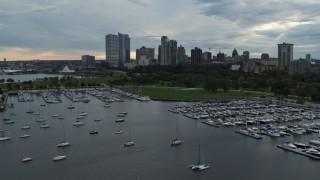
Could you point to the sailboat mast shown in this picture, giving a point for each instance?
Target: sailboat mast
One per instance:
(199, 154)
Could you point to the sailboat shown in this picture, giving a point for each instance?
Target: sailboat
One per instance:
(78, 123)
(177, 140)
(63, 143)
(200, 165)
(40, 119)
(119, 131)
(8, 120)
(129, 142)
(4, 137)
(59, 158)
(30, 110)
(71, 106)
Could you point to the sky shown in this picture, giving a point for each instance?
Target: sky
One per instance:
(67, 29)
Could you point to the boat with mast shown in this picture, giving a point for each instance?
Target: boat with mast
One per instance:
(29, 111)
(63, 143)
(4, 137)
(129, 142)
(40, 119)
(119, 131)
(177, 140)
(200, 165)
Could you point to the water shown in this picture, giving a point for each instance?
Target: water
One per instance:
(27, 77)
(103, 156)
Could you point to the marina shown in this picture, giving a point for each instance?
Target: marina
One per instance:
(154, 128)
(299, 151)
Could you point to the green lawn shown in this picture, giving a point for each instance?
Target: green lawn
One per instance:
(178, 93)
(97, 80)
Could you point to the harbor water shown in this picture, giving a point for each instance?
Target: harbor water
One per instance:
(152, 127)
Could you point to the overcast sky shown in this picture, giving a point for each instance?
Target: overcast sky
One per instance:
(67, 29)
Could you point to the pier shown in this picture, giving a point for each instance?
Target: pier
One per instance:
(210, 123)
(298, 151)
(255, 136)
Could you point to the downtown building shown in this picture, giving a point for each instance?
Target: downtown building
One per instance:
(196, 56)
(168, 51)
(144, 56)
(117, 49)
(88, 61)
(285, 55)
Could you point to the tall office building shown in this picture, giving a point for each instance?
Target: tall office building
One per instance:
(285, 54)
(196, 56)
(88, 61)
(235, 53)
(112, 50)
(124, 49)
(172, 52)
(181, 55)
(164, 50)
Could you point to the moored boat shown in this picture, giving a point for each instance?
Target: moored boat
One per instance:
(26, 159)
(59, 158)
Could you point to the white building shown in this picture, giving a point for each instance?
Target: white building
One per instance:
(112, 50)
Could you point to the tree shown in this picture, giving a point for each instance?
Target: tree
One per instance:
(10, 80)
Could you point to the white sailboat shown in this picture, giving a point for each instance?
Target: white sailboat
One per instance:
(129, 142)
(63, 143)
(200, 165)
(25, 136)
(40, 119)
(59, 158)
(29, 111)
(4, 137)
(26, 159)
(177, 140)
(119, 131)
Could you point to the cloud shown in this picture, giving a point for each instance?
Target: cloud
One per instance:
(141, 3)
(44, 9)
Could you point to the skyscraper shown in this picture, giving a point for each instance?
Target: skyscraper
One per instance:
(285, 54)
(124, 49)
(181, 55)
(172, 52)
(112, 50)
(164, 50)
(196, 56)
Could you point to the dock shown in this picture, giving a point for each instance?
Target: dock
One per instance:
(255, 136)
(211, 124)
(298, 151)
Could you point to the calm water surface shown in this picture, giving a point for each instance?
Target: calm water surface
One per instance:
(103, 156)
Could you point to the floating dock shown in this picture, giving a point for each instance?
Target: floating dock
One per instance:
(211, 124)
(299, 152)
(255, 136)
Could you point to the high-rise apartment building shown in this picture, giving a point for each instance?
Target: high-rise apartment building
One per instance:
(164, 50)
(112, 50)
(124, 49)
(196, 56)
(88, 61)
(285, 54)
(172, 52)
(181, 55)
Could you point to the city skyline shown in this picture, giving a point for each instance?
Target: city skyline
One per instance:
(68, 29)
